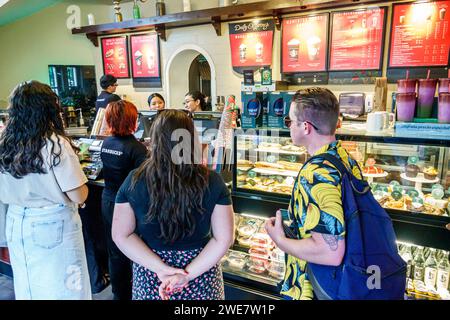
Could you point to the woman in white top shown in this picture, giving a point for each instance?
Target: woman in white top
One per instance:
(42, 182)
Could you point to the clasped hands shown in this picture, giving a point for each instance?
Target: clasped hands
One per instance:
(173, 280)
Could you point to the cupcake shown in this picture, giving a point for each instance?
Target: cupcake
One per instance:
(430, 173)
(411, 170)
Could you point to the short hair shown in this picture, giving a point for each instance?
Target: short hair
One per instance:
(107, 80)
(150, 97)
(319, 106)
(121, 117)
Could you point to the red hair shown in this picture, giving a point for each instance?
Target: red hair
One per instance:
(121, 117)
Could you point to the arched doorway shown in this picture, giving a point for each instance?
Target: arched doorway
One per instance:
(200, 77)
(177, 74)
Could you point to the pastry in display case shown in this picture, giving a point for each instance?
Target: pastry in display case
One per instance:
(268, 164)
(254, 255)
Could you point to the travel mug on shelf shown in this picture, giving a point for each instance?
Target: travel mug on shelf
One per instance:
(406, 106)
(444, 85)
(425, 97)
(444, 107)
(406, 85)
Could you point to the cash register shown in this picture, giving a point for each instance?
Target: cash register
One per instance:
(90, 159)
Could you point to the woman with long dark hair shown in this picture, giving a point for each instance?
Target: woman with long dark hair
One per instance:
(120, 154)
(173, 217)
(194, 101)
(42, 182)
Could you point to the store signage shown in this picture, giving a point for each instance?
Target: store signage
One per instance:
(115, 57)
(251, 43)
(304, 43)
(357, 39)
(145, 55)
(420, 35)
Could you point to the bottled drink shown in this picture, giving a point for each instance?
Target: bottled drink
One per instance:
(443, 273)
(406, 255)
(418, 265)
(136, 10)
(431, 270)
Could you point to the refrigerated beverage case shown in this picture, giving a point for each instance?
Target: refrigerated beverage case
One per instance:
(430, 273)
(443, 273)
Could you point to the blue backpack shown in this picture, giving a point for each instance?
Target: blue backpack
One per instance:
(371, 267)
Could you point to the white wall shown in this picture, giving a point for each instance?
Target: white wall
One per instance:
(31, 44)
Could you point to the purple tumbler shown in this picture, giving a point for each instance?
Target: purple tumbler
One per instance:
(444, 85)
(444, 107)
(406, 85)
(406, 105)
(425, 97)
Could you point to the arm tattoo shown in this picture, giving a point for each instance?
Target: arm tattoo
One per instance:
(331, 240)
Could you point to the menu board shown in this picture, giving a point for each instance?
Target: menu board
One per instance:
(115, 57)
(304, 43)
(145, 55)
(251, 43)
(357, 39)
(420, 34)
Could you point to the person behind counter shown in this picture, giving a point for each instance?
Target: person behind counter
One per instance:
(194, 101)
(109, 85)
(156, 102)
(42, 182)
(174, 218)
(120, 154)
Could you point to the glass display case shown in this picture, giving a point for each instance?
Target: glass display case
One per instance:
(254, 255)
(408, 175)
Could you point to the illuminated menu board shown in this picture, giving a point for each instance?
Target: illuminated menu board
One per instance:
(115, 57)
(251, 43)
(357, 39)
(145, 55)
(420, 34)
(304, 43)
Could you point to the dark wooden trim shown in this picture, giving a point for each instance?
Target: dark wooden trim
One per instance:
(217, 24)
(161, 31)
(272, 8)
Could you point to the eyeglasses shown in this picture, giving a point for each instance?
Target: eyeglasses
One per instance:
(288, 123)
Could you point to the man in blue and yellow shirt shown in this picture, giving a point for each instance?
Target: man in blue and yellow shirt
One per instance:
(316, 205)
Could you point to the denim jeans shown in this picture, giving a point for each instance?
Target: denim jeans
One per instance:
(120, 269)
(47, 253)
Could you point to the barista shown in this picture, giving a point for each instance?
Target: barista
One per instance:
(109, 86)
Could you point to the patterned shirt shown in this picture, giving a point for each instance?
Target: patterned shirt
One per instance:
(316, 206)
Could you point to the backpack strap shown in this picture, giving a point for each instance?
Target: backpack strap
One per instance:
(335, 162)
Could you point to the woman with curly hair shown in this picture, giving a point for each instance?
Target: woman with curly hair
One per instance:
(43, 184)
(173, 217)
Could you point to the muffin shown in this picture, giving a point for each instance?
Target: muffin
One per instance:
(411, 170)
(430, 173)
